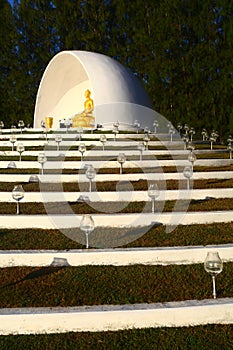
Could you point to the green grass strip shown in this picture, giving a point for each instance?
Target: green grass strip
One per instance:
(62, 208)
(209, 337)
(140, 185)
(99, 285)
(156, 236)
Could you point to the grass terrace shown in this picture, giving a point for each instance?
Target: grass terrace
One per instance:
(155, 236)
(209, 337)
(113, 285)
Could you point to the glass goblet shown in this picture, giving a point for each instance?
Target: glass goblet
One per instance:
(188, 172)
(42, 159)
(58, 139)
(153, 193)
(90, 174)
(121, 160)
(141, 148)
(213, 265)
(103, 140)
(82, 149)
(87, 225)
(20, 148)
(13, 140)
(18, 194)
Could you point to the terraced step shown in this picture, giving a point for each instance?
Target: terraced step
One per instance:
(103, 164)
(112, 318)
(116, 220)
(156, 176)
(116, 257)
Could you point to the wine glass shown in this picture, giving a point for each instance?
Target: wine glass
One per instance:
(192, 157)
(18, 194)
(153, 193)
(13, 139)
(87, 225)
(1, 126)
(146, 140)
(115, 131)
(155, 125)
(230, 150)
(21, 125)
(121, 160)
(141, 148)
(213, 265)
(188, 172)
(20, 148)
(137, 125)
(42, 159)
(82, 149)
(103, 140)
(171, 132)
(80, 132)
(58, 139)
(90, 174)
(67, 124)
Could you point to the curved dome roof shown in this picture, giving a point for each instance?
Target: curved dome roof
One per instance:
(117, 93)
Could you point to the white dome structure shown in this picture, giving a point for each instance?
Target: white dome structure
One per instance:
(117, 93)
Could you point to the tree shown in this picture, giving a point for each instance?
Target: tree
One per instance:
(36, 44)
(8, 61)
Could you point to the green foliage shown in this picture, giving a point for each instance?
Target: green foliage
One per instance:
(100, 285)
(156, 236)
(209, 337)
(180, 50)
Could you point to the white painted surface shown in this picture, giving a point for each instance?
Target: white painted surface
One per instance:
(115, 220)
(117, 256)
(54, 320)
(117, 177)
(100, 153)
(121, 196)
(112, 318)
(116, 92)
(103, 164)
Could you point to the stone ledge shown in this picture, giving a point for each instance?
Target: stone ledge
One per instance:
(117, 256)
(115, 317)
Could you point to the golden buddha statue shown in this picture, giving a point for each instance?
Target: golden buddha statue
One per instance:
(86, 118)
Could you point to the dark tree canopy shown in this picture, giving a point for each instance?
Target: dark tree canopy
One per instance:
(180, 49)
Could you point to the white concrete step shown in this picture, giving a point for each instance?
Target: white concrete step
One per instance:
(172, 219)
(102, 164)
(115, 317)
(156, 176)
(117, 256)
(120, 196)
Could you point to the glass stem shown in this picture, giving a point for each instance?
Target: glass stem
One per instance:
(153, 206)
(188, 184)
(18, 211)
(87, 243)
(90, 186)
(214, 287)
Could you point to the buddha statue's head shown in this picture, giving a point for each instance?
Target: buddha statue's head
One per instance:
(87, 93)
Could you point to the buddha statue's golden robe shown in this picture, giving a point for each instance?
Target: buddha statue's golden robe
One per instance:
(86, 118)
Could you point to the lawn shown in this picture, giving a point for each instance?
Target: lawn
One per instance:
(209, 337)
(100, 285)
